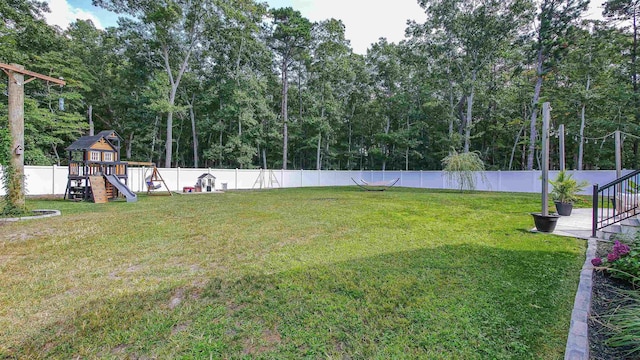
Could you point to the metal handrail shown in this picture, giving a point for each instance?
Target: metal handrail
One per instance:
(620, 193)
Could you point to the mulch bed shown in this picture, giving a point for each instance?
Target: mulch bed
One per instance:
(604, 300)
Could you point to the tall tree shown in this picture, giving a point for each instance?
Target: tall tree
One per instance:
(629, 10)
(476, 33)
(174, 30)
(290, 40)
(555, 22)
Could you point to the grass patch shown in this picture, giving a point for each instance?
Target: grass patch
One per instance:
(328, 272)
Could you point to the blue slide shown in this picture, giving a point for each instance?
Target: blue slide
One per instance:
(130, 195)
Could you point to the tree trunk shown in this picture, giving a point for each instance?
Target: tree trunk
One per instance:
(467, 130)
(55, 152)
(90, 114)
(318, 161)
(153, 140)
(582, 126)
(385, 146)
(534, 112)
(169, 141)
(172, 98)
(285, 115)
(129, 146)
(194, 133)
(264, 158)
(515, 145)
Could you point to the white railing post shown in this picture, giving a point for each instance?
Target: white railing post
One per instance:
(236, 178)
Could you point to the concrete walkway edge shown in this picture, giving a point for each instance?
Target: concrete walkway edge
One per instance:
(43, 214)
(578, 339)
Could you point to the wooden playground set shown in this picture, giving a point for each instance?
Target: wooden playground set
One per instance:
(97, 174)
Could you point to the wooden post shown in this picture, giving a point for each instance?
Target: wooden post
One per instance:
(546, 115)
(15, 91)
(16, 131)
(618, 189)
(618, 155)
(562, 154)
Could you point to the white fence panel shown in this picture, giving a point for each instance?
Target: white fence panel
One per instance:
(433, 180)
(48, 180)
(343, 178)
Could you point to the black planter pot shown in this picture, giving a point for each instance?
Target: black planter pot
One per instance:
(545, 223)
(564, 209)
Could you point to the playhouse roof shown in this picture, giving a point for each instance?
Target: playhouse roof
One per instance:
(206, 176)
(86, 142)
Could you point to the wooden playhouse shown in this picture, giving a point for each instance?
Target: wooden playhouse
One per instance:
(95, 170)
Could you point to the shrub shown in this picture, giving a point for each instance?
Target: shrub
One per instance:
(5, 142)
(462, 168)
(566, 188)
(623, 262)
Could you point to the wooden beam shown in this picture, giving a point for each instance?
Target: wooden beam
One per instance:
(16, 130)
(139, 163)
(31, 73)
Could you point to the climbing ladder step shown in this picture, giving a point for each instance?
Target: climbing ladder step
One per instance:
(98, 189)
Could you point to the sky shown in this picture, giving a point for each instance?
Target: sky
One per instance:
(365, 20)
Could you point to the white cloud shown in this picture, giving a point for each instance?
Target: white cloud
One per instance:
(368, 20)
(62, 14)
(365, 20)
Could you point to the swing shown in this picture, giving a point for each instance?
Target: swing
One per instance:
(376, 186)
(152, 184)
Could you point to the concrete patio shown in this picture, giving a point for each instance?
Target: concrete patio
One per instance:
(577, 225)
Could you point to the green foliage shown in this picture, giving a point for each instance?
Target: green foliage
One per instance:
(8, 203)
(463, 168)
(5, 148)
(463, 77)
(622, 262)
(624, 322)
(566, 188)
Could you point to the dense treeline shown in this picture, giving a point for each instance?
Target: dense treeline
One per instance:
(232, 83)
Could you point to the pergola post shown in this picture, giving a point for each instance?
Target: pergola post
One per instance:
(15, 89)
(16, 131)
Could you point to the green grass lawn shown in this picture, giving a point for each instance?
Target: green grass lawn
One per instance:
(315, 273)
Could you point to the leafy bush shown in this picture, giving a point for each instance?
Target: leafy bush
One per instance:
(623, 262)
(5, 141)
(462, 168)
(566, 188)
(623, 321)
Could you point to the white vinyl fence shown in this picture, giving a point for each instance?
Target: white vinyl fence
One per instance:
(52, 180)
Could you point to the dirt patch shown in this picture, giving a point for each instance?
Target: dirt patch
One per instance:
(269, 340)
(26, 234)
(176, 299)
(180, 328)
(134, 268)
(119, 350)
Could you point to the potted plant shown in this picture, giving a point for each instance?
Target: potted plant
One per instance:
(565, 192)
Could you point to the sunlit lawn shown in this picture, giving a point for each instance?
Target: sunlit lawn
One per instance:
(317, 273)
